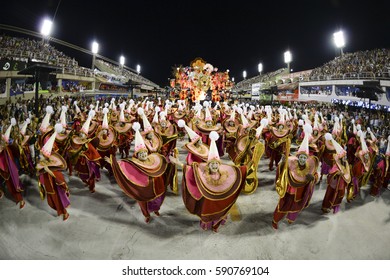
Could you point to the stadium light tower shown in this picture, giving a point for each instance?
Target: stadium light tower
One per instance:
(122, 60)
(244, 74)
(338, 38)
(122, 63)
(260, 68)
(138, 69)
(47, 24)
(287, 59)
(95, 49)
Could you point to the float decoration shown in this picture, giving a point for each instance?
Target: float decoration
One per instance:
(198, 78)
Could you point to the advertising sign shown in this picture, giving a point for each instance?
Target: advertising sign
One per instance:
(11, 65)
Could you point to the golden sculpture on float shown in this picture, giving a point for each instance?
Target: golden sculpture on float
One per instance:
(200, 77)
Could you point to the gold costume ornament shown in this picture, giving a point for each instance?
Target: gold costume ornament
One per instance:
(198, 78)
(281, 182)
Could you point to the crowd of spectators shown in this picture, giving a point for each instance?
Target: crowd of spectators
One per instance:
(109, 77)
(363, 64)
(70, 86)
(121, 73)
(316, 91)
(25, 49)
(373, 118)
(28, 49)
(21, 87)
(2, 86)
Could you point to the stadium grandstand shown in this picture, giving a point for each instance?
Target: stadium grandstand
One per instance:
(360, 79)
(107, 76)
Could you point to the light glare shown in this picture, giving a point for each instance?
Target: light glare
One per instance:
(338, 38)
(95, 47)
(46, 27)
(260, 67)
(287, 57)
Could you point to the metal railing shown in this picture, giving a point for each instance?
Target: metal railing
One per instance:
(351, 76)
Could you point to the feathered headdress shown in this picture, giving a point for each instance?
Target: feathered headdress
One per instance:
(46, 120)
(304, 147)
(192, 134)
(7, 133)
(156, 111)
(263, 123)
(64, 109)
(213, 153)
(139, 143)
(85, 127)
(146, 123)
(24, 126)
(122, 113)
(48, 147)
(105, 118)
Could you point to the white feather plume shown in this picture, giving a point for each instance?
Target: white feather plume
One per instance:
(136, 126)
(58, 127)
(328, 136)
(140, 111)
(214, 135)
(264, 122)
(307, 128)
(91, 114)
(49, 110)
(181, 123)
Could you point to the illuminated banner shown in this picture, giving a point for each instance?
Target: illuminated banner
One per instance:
(11, 65)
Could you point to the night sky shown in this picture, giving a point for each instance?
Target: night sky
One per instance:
(234, 35)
